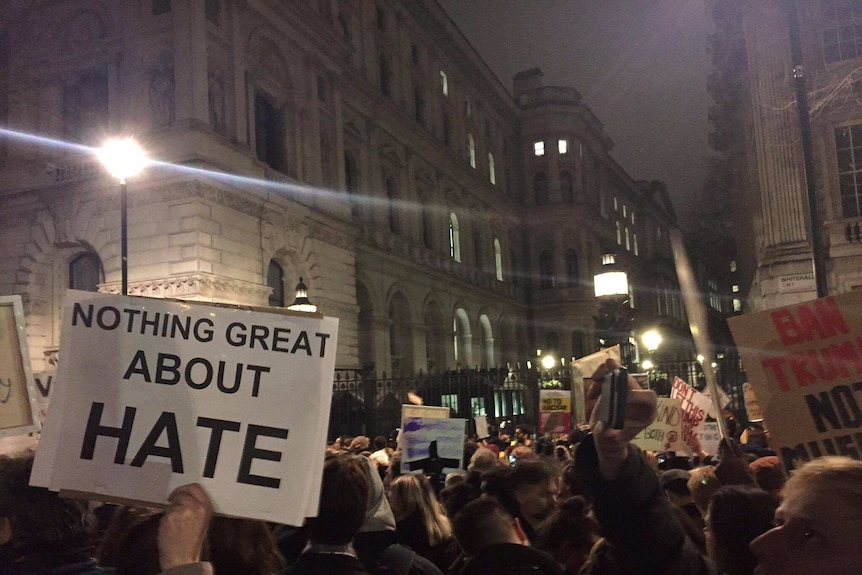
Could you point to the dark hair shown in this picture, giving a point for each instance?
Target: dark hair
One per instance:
(38, 516)
(379, 442)
(481, 523)
(544, 446)
(243, 546)
(569, 523)
(454, 498)
(343, 498)
(677, 487)
(737, 515)
(130, 543)
(529, 473)
(572, 479)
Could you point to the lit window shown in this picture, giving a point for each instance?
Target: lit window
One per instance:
(635, 243)
(619, 233)
(539, 148)
(444, 82)
(471, 150)
(632, 214)
(616, 204)
(492, 173)
(625, 212)
(563, 147)
(628, 240)
(454, 238)
(498, 259)
(733, 265)
(735, 288)
(737, 305)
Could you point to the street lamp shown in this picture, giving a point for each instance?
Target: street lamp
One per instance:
(652, 339)
(301, 301)
(123, 158)
(613, 324)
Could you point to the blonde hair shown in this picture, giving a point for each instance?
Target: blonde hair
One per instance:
(841, 477)
(412, 492)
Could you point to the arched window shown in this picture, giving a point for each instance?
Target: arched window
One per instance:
(385, 72)
(546, 270)
(270, 133)
(492, 170)
(454, 238)
(85, 272)
(540, 187)
(471, 150)
(567, 188)
(572, 275)
(275, 280)
(419, 105)
(392, 198)
(498, 259)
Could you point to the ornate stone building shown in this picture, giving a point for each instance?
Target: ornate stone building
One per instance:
(757, 130)
(444, 221)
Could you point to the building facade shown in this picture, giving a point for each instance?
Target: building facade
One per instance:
(758, 133)
(362, 146)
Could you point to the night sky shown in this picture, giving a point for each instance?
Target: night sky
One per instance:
(640, 65)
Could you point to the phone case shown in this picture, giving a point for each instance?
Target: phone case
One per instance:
(612, 407)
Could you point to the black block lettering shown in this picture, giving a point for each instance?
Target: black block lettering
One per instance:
(250, 453)
(95, 429)
(218, 426)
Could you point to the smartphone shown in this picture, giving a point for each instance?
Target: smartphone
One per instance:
(612, 407)
(512, 460)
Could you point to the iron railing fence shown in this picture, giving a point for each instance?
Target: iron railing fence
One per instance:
(364, 403)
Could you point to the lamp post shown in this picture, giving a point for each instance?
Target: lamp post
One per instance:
(301, 301)
(613, 324)
(123, 158)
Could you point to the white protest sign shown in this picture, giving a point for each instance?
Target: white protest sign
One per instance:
(752, 408)
(432, 446)
(665, 433)
(154, 394)
(709, 436)
(695, 405)
(481, 426)
(19, 413)
(723, 401)
(427, 411)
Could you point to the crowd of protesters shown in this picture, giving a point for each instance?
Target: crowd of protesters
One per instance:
(589, 503)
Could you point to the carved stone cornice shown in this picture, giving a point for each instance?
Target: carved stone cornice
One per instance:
(198, 286)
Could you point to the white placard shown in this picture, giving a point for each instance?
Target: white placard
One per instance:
(153, 394)
(19, 413)
(482, 426)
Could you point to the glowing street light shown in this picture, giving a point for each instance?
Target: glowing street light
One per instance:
(652, 339)
(123, 158)
(301, 301)
(548, 362)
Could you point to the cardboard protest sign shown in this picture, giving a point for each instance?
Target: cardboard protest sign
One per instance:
(432, 446)
(804, 362)
(752, 408)
(695, 406)
(723, 401)
(709, 436)
(409, 411)
(19, 412)
(582, 369)
(153, 394)
(665, 433)
(481, 426)
(555, 406)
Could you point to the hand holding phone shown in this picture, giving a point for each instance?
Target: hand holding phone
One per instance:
(612, 407)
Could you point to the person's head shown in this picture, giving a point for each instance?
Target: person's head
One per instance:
(562, 453)
(571, 482)
(569, 533)
(34, 517)
(130, 543)
(413, 493)
(819, 521)
(769, 474)
(483, 460)
(674, 483)
(243, 546)
(485, 522)
(533, 486)
(736, 515)
(522, 433)
(379, 443)
(359, 444)
(343, 500)
(544, 446)
(756, 434)
(702, 483)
